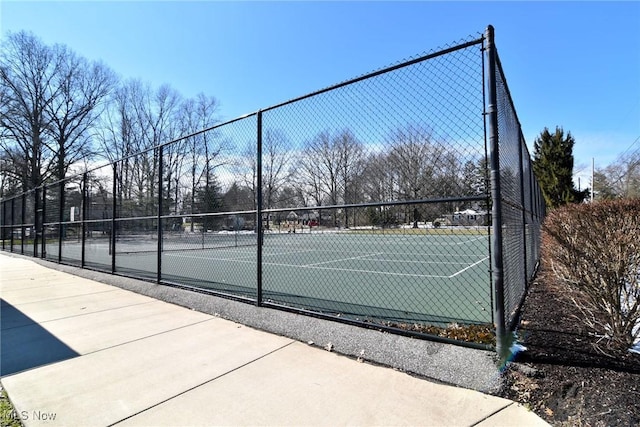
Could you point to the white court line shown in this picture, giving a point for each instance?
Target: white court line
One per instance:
(208, 258)
(311, 266)
(471, 240)
(240, 258)
(468, 267)
(463, 242)
(377, 259)
(409, 241)
(264, 254)
(336, 251)
(386, 273)
(402, 261)
(342, 259)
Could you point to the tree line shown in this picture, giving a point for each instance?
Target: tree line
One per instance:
(621, 178)
(60, 111)
(210, 172)
(553, 165)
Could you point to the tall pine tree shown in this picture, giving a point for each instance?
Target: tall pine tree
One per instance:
(553, 166)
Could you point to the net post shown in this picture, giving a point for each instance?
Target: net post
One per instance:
(259, 230)
(496, 209)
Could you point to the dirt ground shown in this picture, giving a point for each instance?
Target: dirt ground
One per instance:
(564, 376)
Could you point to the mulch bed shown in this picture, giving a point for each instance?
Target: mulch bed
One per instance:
(567, 375)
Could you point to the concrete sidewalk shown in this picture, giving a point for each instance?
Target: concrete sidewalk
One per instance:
(76, 352)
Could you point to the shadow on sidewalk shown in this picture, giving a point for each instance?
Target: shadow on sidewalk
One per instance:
(24, 344)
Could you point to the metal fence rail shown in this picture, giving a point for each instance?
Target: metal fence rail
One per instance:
(403, 199)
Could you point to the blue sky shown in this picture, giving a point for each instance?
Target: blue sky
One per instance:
(573, 64)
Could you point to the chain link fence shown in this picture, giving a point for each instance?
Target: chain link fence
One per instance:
(403, 199)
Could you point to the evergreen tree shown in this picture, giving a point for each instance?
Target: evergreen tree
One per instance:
(208, 199)
(553, 166)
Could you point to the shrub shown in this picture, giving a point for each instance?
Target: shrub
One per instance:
(595, 250)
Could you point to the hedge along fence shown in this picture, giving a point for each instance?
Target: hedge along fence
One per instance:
(595, 250)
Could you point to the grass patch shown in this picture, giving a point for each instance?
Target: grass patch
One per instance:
(8, 416)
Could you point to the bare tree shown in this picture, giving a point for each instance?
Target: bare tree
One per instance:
(185, 161)
(50, 101)
(155, 112)
(351, 164)
(27, 72)
(320, 167)
(82, 88)
(416, 159)
(118, 133)
(276, 165)
(330, 167)
(379, 180)
(620, 179)
(10, 162)
(193, 159)
(246, 168)
(138, 121)
(474, 179)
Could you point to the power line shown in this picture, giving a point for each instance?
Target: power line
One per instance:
(629, 148)
(632, 165)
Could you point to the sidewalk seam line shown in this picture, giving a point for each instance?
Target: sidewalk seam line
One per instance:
(77, 315)
(68, 296)
(204, 383)
(492, 414)
(2, 286)
(110, 347)
(60, 277)
(50, 299)
(148, 336)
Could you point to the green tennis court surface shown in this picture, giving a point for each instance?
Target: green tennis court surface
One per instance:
(425, 278)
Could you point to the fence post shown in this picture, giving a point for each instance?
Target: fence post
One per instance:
(6, 235)
(112, 236)
(159, 250)
(3, 224)
(496, 210)
(83, 225)
(522, 204)
(23, 210)
(259, 230)
(43, 249)
(13, 223)
(3, 221)
(36, 222)
(60, 220)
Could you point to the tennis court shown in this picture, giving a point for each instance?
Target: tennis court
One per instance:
(426, 278)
